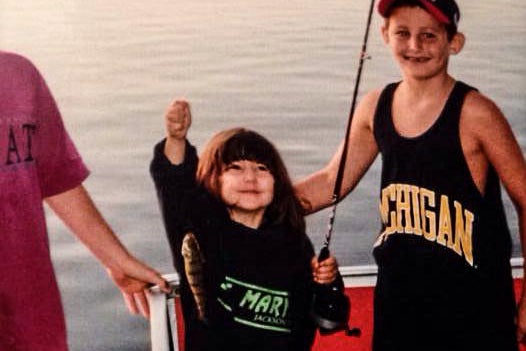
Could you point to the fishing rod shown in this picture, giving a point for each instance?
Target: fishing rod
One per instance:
(331, 307)
(324, 253)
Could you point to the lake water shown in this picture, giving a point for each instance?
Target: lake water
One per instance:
(284, 68)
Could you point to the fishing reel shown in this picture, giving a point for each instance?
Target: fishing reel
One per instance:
(330, 307)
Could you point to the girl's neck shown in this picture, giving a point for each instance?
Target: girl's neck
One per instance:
(248, 219)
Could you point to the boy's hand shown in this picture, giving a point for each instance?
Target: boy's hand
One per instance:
(178, 119)
(326, 271)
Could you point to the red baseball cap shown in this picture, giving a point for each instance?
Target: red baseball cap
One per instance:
(445, 11)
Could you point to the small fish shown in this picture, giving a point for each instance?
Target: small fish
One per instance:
(193, 266)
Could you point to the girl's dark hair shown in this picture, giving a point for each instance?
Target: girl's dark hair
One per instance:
(451, 28)
(242, 144)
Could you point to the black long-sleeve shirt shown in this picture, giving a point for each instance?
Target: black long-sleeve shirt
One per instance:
(258, 282)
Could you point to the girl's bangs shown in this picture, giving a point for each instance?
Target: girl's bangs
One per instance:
(248, 146)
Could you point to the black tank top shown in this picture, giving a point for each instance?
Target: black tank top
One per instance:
(444, 247)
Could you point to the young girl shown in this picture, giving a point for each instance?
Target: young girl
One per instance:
(237, 235)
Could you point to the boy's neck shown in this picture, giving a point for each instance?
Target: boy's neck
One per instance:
(418, 104)
(434, 87)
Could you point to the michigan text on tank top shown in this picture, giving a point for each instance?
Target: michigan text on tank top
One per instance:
(427, 193)
(410, 209)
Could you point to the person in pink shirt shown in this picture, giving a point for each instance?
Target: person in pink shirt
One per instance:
(39, 163)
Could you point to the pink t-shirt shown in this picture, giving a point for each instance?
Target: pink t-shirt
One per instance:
(37, 160)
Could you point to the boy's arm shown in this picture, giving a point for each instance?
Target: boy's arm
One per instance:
(483, 119)
(500, 147)
(76, 209)
(316, 190)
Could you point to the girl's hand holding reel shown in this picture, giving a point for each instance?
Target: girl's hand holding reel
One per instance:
(330, 308)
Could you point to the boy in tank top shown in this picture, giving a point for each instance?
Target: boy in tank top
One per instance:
(443, 252)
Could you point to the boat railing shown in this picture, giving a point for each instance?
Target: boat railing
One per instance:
(163, 318)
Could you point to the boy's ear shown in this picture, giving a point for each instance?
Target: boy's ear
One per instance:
(457, 43)
(385, 32)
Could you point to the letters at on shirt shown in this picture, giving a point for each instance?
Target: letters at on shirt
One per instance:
(19, 143)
